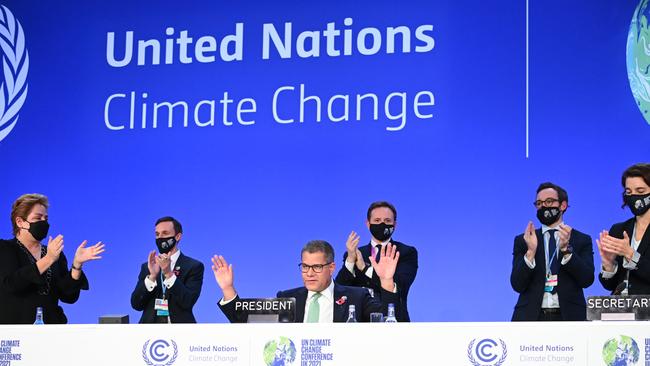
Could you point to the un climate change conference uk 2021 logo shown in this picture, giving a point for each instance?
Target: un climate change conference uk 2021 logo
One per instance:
(159, 352)
(279, 352)
(638, 58)
(15, 63)
(621, 351)
(487, 352)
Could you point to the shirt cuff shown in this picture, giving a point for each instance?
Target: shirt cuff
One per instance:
(607, 275)
(530, 264)
(223, 302)
(149, 284)
(369, 272)
(632, 264)
(350, 267)
(169, 282)
(566, 259)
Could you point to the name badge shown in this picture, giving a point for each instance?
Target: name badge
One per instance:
(551, 281)
(162, 307)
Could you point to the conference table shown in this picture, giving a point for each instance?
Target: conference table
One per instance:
(495, 344)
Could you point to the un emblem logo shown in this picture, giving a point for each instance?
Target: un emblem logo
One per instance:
(15, 63)
(487, 352)
(159, 352)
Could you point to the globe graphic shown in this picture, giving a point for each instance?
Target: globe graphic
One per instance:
(638, 58)
(279, 352)
(621, 351)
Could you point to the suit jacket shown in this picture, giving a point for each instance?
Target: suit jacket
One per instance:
(182, 295)
(20, 282)
(639, 282)
(407, 268)
(573, 277)
(359, 297)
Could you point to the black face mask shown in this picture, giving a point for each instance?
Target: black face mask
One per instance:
(38, 229)
(382, 232)
(165, 245)
(638, 203)
(548, 215)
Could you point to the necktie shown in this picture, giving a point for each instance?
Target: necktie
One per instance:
(314, 309)
(376, 252)
(552, 252)
(554, 264)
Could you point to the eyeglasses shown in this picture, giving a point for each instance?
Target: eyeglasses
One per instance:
(546, 203)
(318, 268)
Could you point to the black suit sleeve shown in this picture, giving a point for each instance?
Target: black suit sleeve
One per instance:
(611, 283)
(13, 277)
(346, 278)
(140, 297)
(229, 311)
(185, 295)
(521, 274)
(68, 288)
(581, 264)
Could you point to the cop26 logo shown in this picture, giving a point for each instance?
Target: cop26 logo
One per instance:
(15, 63)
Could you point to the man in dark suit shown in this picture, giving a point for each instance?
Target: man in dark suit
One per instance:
(170, 283)
(381, 220)
(552, 265)
(624, 248)
(320, 300)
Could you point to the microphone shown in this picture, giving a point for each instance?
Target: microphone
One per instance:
(621, 286)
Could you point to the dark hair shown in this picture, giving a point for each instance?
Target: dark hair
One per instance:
(379, 204)
(24, 205)
(178, 228)
(561, 193)
(640, 170)
(316, 246)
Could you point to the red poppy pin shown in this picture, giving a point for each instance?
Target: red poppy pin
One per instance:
(177, 271)
(342, 300)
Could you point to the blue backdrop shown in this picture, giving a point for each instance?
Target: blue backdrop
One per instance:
(462, 173)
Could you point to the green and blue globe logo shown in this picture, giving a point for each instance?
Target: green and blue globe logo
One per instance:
(279, 352)
(621, 351)
(638, 58)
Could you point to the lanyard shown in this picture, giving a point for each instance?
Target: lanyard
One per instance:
(546, 248)
(162, 285)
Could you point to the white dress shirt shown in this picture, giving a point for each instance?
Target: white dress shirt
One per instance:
(325, 303)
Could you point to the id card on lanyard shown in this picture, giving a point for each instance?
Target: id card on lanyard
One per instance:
(162, 305)
(551, 279)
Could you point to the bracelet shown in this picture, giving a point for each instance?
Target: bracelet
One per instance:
(78, 269)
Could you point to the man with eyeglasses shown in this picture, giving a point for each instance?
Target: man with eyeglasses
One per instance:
(381, 220)
(320, 300)
(551, 265)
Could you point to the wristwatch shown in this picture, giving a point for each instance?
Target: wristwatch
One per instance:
(567, 251)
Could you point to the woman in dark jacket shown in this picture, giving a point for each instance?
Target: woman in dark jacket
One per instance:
(33, 275)
(624, 248)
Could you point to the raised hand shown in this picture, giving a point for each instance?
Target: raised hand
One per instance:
(385, 268)
(360, 263)
(565, 235)
(154, 268)
(606, 258)
(164, 261)
(530, 237)
(85, 254)
(352, 244)
(54, 248)
(223, 274)
(617, 246)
